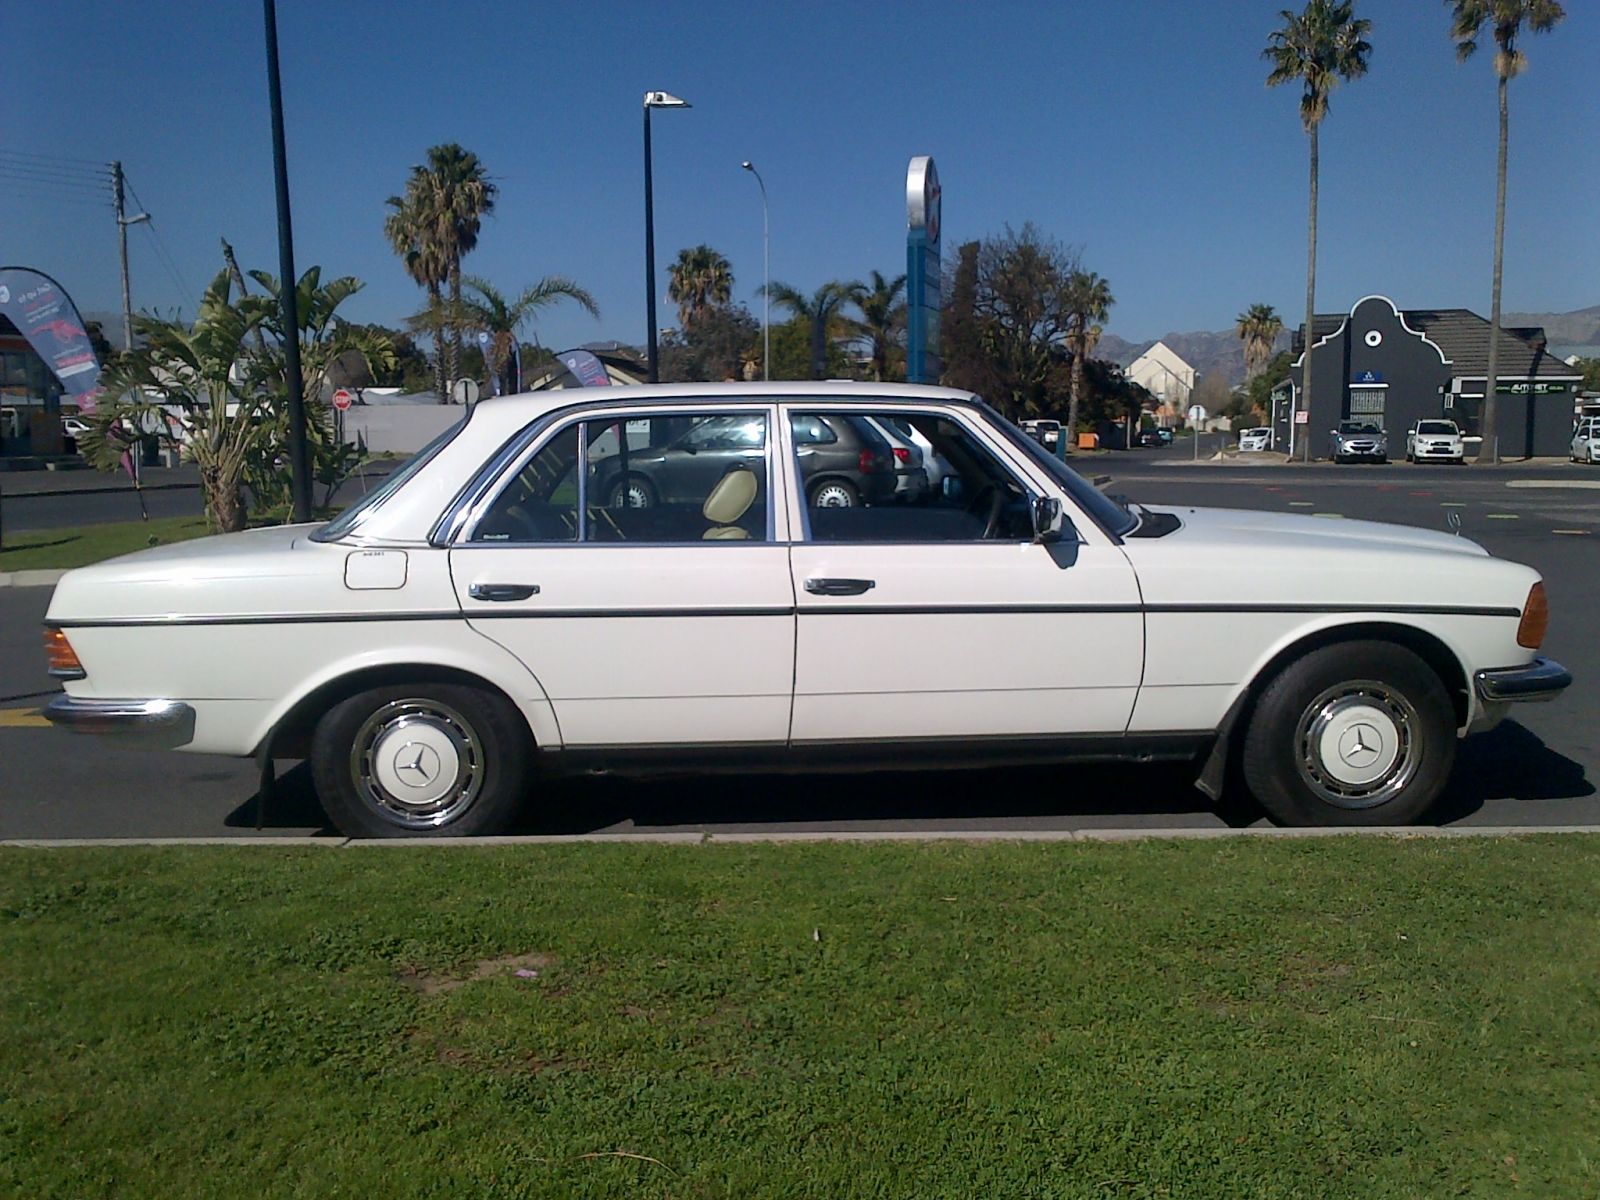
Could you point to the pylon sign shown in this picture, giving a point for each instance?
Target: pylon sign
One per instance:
(923, 272)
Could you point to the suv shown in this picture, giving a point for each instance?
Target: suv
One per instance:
(1358, 440)
(1586, 441)
(1430, 441)
(1259, 438)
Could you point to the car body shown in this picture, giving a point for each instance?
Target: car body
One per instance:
(1259, 438)
(934, 465)
(1165, 434)
(1047, 433)
(912, 478)
(1151, 437)
(1435, 440)
(1358, 441)
(489, 617)
(1586, 440)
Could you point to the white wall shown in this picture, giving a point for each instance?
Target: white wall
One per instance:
(399, 428)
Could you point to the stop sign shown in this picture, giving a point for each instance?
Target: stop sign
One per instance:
(343, 399)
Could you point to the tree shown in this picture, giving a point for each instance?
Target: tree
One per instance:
(1591, 373)
(820, 310)
(699, 280)
(882, 304)
(489, 311)
(433, 227)
(1324, 44)
(1089, 302)
(1505, 19)
(1258, 328)
(715, 345)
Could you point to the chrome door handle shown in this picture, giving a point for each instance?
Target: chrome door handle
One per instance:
(839, 587)
(503, 591)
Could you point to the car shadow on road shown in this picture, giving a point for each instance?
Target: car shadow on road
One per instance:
(1508, 763)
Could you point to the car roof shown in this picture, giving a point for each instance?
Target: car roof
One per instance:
(532, 404)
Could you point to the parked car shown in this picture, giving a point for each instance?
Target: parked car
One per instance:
(1435, 441)
(1259, 438)
(1152, 437)
(911, 477)
(1165, 434)
(486, 619)
(1046, 433)
(1586, 441)
(1358, 441)
(933, 463)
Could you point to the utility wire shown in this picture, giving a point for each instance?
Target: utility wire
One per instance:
(73, 176)
(19, 175)
(76, 163)
(161, 246)
(30, 191)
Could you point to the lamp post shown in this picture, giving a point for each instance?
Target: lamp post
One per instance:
(766, 273)
(652, 100)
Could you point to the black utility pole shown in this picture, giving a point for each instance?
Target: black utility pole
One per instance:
(650, 253)
(299, 463)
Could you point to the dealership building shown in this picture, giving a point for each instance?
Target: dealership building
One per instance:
(1395, 367)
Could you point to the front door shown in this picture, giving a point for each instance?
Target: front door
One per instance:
(648, 593)
(943, 619)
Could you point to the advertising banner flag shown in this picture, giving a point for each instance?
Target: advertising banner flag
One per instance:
(44, 314)
(586, 368)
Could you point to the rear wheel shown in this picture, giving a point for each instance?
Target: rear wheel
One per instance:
(633, 492)
(1358, 733)
(834, 493)
(427, 759)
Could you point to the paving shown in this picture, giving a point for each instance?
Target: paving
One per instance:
(1537, 771)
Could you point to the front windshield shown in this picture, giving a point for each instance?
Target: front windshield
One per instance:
(1358, 427)
(1436, 427)
(1110, 515)
(352, 516)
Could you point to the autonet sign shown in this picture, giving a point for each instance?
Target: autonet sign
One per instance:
(923, 211)
(44, 314)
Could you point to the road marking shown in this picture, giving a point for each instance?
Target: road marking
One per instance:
(1501, 517)
(1302, 504)
(1572, 532)
(1330, 516)
(1452, 504)
(1422, 493)
(22, 718)
(1554, 483)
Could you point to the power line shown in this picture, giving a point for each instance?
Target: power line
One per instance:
(58, 158)
(29, 191)
(21, 175)
(160, 244)
(73, 175)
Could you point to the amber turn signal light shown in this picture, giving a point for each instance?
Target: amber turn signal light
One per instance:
(1535, 619)
(63, 659)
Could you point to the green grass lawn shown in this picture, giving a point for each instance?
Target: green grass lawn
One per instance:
(1331, 1018)
(84, 544)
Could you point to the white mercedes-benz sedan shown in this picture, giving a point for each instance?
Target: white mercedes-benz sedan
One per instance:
(725, 576)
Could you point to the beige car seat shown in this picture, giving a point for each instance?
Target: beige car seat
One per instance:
(728, 502)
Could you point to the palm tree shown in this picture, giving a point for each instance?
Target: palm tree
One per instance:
(1089, 302)
(489, 311)
(1258, 328)
(425, 263)
(1507, 18)
(820, 309)
(883, 318)
(438, 222)
(701, 278)
(1318, 48)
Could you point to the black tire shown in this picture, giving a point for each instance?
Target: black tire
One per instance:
(834, 493)
(632, 491)
(361, 761)
(1366, 692)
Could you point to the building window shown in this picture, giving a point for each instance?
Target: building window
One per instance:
(1366, 402)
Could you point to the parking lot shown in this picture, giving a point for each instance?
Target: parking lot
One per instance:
(1535, 770)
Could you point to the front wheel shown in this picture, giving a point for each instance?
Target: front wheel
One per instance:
(1358, 733)
(427, 759)
(834, 493)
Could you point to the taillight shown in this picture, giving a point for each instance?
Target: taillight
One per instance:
(1535, 619)
(902, 455)
(867, 462)
(61, 657)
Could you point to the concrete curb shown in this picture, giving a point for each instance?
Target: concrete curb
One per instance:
(1406, 832)
(41, 578)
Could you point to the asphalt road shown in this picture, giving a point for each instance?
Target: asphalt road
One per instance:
(1535, 770)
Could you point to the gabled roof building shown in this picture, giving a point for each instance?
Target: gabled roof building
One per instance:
(1395, 368)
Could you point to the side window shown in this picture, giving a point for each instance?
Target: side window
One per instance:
(679, 478)
(540, 504)
(904, 477)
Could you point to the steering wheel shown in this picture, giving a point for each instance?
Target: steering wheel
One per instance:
(995, 505)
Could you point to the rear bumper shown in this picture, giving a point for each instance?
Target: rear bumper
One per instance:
(1542, 679)
(162, 723)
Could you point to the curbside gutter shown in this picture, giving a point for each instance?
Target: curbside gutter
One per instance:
(1266, 833)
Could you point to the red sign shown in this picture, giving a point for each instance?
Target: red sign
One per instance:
(343, 399)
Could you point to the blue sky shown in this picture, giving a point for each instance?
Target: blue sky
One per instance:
(1140, 132)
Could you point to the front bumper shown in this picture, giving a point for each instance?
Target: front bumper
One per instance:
(1439, 452)
(1361, 451)
(162, 723)
(1542, 679)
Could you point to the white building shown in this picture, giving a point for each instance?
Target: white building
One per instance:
(1165, 376)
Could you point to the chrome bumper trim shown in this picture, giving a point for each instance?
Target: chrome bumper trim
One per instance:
(167, 723)
(1542, 679)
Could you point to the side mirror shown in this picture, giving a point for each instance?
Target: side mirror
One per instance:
(1048, 520)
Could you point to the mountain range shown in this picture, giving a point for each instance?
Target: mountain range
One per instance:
(1576, 332)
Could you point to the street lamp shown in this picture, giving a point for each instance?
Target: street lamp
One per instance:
(766, 271)
(652, 100)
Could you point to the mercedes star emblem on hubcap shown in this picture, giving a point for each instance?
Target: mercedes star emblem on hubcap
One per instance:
(416, 765)
(1360, 745)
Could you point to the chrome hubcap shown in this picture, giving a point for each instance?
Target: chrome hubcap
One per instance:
(1358, 744)
(417, 763)
(831, 495)
(632, 495)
